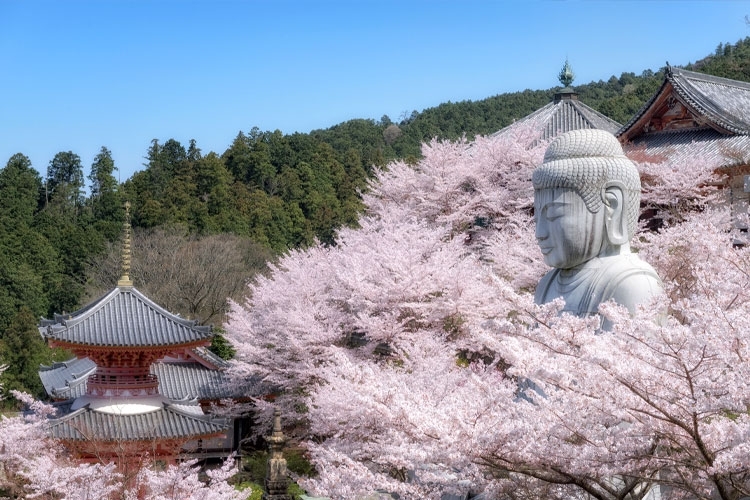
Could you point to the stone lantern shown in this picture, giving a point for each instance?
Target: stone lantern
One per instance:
(276, 482)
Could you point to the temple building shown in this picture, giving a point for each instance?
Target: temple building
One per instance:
(139, 383)
(694, 115)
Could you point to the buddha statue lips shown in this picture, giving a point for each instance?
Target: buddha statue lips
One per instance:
(586, 205)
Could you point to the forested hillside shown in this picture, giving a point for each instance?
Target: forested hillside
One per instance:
(272, 190)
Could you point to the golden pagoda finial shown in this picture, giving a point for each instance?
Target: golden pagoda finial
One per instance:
(125, 278)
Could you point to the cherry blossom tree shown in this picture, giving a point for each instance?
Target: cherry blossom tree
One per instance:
(663, 398)
(181, 482)
(399, 304)
(411, 358)
(32, 465)
(669, 190)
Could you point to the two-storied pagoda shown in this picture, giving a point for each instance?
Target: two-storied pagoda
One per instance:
(122, 416)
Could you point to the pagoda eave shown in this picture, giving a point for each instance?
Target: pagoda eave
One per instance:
(94, 351)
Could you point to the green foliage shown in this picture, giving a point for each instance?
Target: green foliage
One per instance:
(298, 463)
(221, 347)
(281, 191)
(729, 61)
(34, 260)
(254, 467)
(75, 241)
(23, 287)
(257, 489)
(65, 181)
(293, 489)
(23, 350)
(21, 188)
(105, 201)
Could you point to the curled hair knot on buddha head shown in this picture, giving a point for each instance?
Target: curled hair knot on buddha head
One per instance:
(588, 161)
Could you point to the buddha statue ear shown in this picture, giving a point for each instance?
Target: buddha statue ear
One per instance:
(615, 218)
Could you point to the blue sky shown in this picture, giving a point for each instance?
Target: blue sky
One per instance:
(78, 75)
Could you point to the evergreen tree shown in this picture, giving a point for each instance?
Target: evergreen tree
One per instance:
(21, 188)
(105, 200)
(23, 351)
(64, 185)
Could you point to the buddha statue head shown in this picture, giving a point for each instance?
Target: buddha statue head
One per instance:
(586, 199)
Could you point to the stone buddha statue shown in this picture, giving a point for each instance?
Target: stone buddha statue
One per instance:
(586, 203)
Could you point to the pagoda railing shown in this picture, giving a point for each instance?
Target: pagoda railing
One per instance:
(110, 385)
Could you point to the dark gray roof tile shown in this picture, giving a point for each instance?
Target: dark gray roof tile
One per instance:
(206, 357)
(124, 318)
(168, 422)
(67, 379)
(723, 103)
(192, 380)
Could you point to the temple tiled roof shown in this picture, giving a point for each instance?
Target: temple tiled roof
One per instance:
(683, 147)
(171, 421)
(714, 125)
(124, 318)
(719, 103)
(563, 115)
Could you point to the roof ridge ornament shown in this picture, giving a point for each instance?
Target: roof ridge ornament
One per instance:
(125, 280)
(566, 75)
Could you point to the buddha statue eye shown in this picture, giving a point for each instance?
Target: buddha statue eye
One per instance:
(553, 211)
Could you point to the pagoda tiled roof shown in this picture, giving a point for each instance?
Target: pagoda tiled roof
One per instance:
(562, 116)
(722, 103)
(178, 380)
(208, 358)
(169, 422)
(124, 318)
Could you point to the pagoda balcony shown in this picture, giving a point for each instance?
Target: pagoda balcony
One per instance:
(122, 386)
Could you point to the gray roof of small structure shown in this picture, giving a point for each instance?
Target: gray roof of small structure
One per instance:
(171, 421)
(724, 104)
(563, 115)
(67, 379)
(178, 380)
(124, 318)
